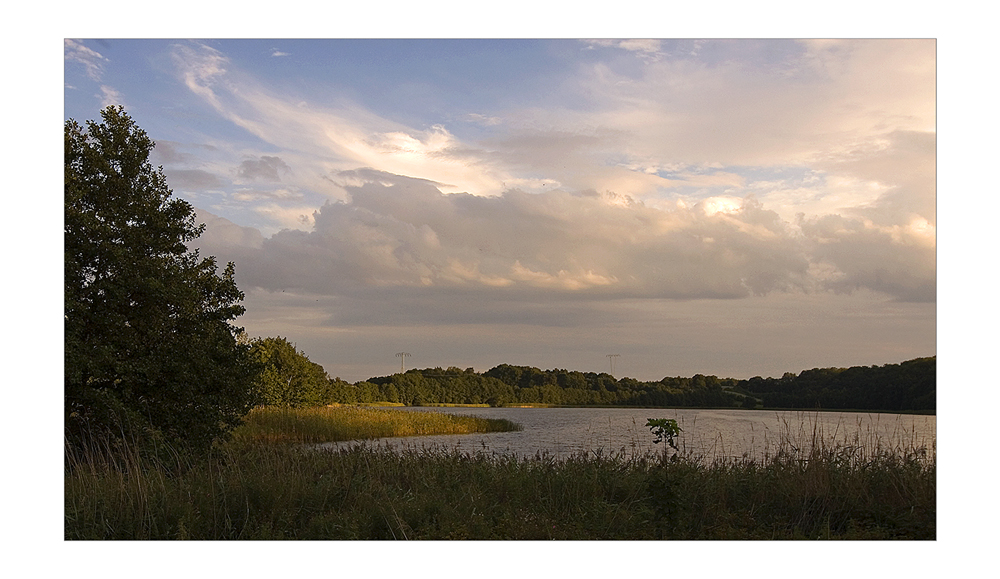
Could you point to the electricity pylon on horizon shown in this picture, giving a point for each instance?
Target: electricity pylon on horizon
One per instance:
(611, 358)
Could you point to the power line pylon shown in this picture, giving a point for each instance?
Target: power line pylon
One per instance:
(402, 360)
(611, 358)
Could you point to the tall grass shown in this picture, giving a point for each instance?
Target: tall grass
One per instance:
(352, 423)
(252, 490)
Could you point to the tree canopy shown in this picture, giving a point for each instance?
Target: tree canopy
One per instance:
(289, 378)
(148, 332)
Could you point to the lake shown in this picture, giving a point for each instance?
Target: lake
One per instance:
(712, 434)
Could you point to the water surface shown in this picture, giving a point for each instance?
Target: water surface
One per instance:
(711, 434)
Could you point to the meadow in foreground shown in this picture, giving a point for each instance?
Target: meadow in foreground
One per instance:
(247, 489)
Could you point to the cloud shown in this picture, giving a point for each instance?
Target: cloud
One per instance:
(904, 168)
(192, 179)
(649, 46)
(747, 110)
(647, 49)
(484, 120)
(92, 61)
(266, 168)
(200, 67)
(223, 234)
(890, 244)
(338, 137)
(645, 133)
(897, 260)
(168, 152)
(110, 96)
(400, 232)
(273, 195)
(678, 178)
(276, 53)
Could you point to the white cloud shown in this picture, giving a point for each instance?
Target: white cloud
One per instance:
(288, 217)
(404, 233)
(91, 60)
(648, 48)
(640, 45)
(337, 137)
(110, 96)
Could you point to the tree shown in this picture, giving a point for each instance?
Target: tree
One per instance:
(149, 341)
(289, 378)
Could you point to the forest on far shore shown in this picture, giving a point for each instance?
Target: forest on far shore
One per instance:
(906, 387)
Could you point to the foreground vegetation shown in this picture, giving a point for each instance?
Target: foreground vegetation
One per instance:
(246, 489)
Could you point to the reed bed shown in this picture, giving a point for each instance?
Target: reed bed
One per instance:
(807, 488)
(334, 424)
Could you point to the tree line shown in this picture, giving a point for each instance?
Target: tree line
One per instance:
(909, 386)
(291, 379)
(152, 351)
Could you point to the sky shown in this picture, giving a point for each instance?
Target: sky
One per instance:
(724, 207)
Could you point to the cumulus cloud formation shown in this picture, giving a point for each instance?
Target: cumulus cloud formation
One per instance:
(404, 235)
(222, 235)
(404, 232)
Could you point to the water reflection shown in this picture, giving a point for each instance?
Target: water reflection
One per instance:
(710, 434)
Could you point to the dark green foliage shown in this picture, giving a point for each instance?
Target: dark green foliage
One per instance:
(909, 386)
(289, 378)
(148, 341)
(665, 430)
(592, 389)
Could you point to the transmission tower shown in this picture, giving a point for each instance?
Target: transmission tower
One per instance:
(611, 358)
(402, 360)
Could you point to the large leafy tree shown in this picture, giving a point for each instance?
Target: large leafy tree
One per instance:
(148, 333)
(289, 377)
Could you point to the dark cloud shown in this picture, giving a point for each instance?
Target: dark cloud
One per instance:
(167, 152)
(877, 258)
(223, 235)
(192, 179)
(263, 169)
